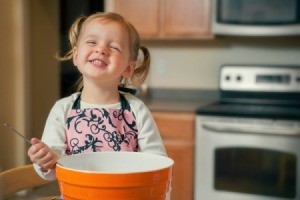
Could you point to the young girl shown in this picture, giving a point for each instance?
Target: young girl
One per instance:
(104, 48)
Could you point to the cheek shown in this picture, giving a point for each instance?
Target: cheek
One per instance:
(80, 57)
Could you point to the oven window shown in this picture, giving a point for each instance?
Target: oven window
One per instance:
(255, 171)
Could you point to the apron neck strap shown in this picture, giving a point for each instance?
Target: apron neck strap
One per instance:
(76, 104)
(124, 103)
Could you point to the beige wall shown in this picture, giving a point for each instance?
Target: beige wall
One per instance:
(29, 73)
(45, 69)
(13, 64)
(195, 64)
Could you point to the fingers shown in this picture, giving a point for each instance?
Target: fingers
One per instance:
(47, 161)
(41, 154)
(35, 141)
(36, 146)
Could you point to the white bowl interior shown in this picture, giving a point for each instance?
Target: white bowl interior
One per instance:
(115, 162)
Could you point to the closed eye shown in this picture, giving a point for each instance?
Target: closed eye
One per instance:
(115, 48)
(91, 42)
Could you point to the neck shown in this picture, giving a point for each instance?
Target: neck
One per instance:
(100, 95)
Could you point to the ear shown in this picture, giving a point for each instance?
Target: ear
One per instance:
(129, 70)
(75, 53)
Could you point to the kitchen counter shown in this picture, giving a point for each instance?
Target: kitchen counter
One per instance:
(173, 106)
(178, 100)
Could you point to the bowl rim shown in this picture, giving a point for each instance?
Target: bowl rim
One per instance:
(169, 165)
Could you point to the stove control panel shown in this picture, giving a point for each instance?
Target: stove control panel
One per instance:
(260, 78)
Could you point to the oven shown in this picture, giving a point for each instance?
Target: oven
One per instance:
(248, 143)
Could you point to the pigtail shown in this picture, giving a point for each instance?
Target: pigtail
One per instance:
(73, 38)
(141, 72)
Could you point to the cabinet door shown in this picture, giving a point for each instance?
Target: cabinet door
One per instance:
(177, 131)
(144, 15)
(186, 19)
(182, 152)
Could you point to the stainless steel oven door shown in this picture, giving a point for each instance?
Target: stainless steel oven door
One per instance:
(248, 159)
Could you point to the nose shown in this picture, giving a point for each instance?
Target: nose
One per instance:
(101, 50)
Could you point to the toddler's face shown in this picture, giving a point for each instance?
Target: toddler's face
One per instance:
(102, 53)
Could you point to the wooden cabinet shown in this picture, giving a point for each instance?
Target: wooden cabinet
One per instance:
(177, 131)
(166, 19)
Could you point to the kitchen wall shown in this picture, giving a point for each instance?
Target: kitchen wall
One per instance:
(195, 64)
(29, 76)
(45, 77)
(13, 80)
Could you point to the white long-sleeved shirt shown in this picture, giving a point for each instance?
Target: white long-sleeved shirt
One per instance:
(149, 139)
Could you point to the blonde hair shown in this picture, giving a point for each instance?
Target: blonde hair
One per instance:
(140, 72)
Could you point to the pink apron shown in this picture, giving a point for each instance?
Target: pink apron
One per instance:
(99, 129)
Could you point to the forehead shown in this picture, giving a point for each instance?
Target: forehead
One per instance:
(102, 26)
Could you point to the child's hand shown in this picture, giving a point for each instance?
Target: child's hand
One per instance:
(42, 155)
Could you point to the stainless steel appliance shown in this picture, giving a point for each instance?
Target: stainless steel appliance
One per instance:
(256, 17)
(248, 143)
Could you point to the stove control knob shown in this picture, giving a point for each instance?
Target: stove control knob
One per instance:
(227, 78)
(298, 79)
(239, 78)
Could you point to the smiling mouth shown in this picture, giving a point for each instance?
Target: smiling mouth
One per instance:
(98, 63)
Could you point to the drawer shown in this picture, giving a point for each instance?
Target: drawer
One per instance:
(175, 124)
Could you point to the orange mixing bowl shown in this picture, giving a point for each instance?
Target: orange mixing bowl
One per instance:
(114, 175)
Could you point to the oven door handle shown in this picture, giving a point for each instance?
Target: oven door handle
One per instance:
(257, 129)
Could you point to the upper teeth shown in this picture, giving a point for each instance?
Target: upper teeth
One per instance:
(96, 61)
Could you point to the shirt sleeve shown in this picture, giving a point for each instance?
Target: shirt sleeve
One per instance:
(54, 137)
(149, 138)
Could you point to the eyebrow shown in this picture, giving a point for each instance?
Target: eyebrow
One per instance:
(90, 35)
(95, 36)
